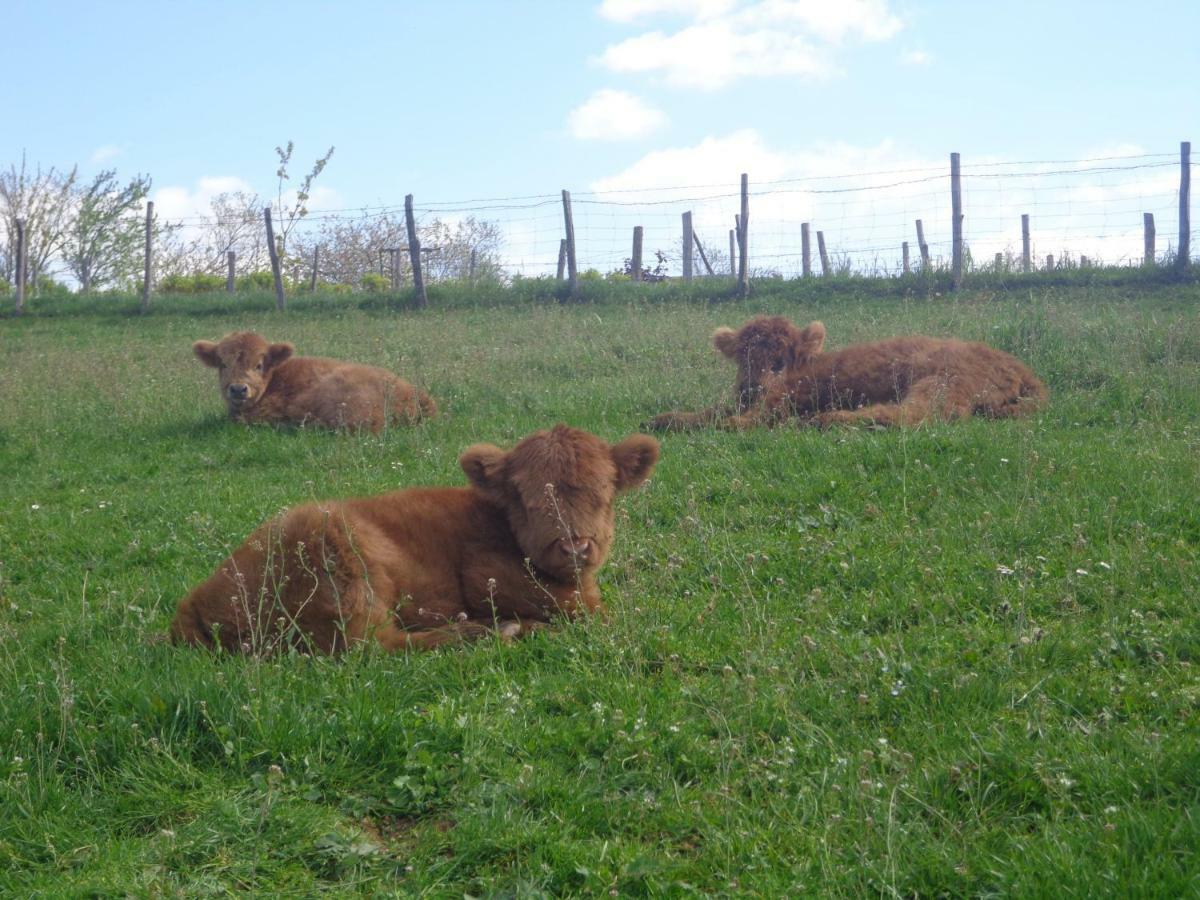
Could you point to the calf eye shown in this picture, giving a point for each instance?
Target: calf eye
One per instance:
(777, 366)
(258, 368)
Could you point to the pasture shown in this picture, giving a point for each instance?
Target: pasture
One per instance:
(958, 660)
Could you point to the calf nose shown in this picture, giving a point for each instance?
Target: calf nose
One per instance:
(577, 548)
(238, 391)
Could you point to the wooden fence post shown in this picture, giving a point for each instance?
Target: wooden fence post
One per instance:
(922, 246)
(687, 246)
(703, 255)
(572, 263)
(420, 298)
(147, 276)
(562, 259)
(956, 224)
(230, 271)
(471, 266)
(805, 251)
(636, 261)
(273, 250)
(19, 274)
(999, 261)
(1026, 257)
(1148, 239)
(1083, 262)
(826, 270)
(312, 282)
(393, 255)
(904, 257)
(733, 241)
(1049, 261)
(744, 258)
(1185, 213)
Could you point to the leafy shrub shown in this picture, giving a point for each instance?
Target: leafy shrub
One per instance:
(374, 283)
(5, 288)
(198, 283)
(256, 281)
(48, 287)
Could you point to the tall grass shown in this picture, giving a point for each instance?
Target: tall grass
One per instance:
(959, 660)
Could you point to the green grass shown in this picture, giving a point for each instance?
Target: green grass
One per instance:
(819, 677)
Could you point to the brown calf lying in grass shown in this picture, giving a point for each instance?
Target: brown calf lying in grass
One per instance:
(783, 373)
(263, 382)
(420, 567)
(761, 348)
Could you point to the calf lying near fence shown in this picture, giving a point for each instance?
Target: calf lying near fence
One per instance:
(425, 566)
(901, 381)
(263, 382)
(761, 348)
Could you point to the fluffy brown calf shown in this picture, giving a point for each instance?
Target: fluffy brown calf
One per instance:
(900, 381)
(263, 382)
(417, 568)
(762, 348)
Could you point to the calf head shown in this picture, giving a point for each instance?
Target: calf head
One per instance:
(557, 489)
(244, 362)
(764, 348)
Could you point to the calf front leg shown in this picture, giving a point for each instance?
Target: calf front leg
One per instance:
(393, 638)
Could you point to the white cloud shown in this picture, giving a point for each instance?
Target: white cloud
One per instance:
(174, 202)
(915, 58)
(610, 115)
(629, 10)
(867, 20)
(728, 41)
(714, 54)
(105, 152)
(713, 160)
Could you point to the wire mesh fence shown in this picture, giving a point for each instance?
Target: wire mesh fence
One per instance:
(1095, 211)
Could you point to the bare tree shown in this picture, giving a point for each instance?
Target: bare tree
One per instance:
(43, 200)
(451, 248)
(350, 248)
(106, 235)
(235, 224)
(288, 214)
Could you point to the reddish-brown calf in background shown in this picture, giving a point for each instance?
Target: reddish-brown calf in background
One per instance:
(761, 348)
(263, 382)
(417, 568)
(900, 381)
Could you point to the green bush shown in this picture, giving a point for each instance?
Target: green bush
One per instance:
(374, 283)
(256, 281)
(5, 288)
(45, 286)
(199, 283)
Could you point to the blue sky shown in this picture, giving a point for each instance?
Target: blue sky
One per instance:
(458, 99)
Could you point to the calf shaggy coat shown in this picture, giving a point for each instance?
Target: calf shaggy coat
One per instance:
(901, 381)
(263, 382)
(761, 348)
(420, 567)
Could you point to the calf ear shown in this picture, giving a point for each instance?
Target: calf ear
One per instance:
(635, 458)
(206, 352)
(277, 353)
(725, 340)
(484, 466)
(811, 340)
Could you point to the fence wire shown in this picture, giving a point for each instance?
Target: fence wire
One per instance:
(1085, 208)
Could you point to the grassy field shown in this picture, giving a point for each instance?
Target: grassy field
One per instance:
(962, 660)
